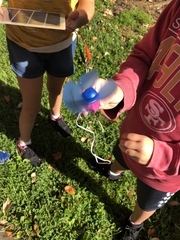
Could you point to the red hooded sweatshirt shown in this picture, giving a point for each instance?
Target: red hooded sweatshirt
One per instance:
(150, 80)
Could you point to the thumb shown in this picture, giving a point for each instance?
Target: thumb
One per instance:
(73, 15)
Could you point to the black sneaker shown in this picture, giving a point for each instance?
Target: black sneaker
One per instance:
(60, 126)
(130, 231)
(102, 169)
(27, 153)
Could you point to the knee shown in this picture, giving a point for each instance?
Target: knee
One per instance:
(31, 110)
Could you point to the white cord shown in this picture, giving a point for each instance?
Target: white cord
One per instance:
(104, 161)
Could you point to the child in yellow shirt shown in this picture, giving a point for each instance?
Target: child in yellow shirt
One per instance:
(34, 51)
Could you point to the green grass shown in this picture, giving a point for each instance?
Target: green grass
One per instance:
(43, 209)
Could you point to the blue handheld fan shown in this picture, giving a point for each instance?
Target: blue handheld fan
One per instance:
(81, 96)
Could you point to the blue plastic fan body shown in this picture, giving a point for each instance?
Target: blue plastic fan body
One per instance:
(81, 96)
(90, 95)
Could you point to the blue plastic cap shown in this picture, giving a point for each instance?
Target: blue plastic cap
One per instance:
(90, 95)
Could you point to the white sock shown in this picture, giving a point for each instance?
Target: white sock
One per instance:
(54, 116)
(22, 143)
(114, 174)
(134, 224)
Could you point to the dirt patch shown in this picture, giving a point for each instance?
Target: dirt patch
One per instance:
(153, 7)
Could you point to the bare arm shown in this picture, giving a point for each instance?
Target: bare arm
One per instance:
(81, 16)
(86, 11)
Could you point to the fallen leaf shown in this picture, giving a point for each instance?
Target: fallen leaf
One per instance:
(70, 190)
(117, 120)
(108, 12)
(106, 53)
(89, 140)
(50, 167)
(9, 233)
(36, 228)
(83, 139)
(57, 155)
(6, 98)
(3, 222)
(20, 105)
(6, 205)
(130, 193)
(151, 231)
(33, 177)
(173, 203)
(94, 38)
(109, 157)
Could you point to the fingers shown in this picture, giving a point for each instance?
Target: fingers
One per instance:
(71, 23)
(130, 147)
(113, 99)
(132, 136)
(137, 146)
(72, 15)
(131, 141)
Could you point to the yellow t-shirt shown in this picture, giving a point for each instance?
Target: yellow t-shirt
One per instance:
(29, 37)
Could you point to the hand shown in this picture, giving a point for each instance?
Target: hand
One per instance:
(109, 102)
(136, 146)
(71, 22)
(112, 100)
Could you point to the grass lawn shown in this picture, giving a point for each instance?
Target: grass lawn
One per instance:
(63, 199)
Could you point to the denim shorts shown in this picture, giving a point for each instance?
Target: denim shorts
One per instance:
(28, 64)
(148, 198)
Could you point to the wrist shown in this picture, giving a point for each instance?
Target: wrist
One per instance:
(83, 18)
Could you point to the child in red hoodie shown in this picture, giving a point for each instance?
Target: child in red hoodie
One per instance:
(149, 144)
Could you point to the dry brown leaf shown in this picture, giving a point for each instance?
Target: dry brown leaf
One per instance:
(108, 12)
(94, 38)
(109, 157)
(50, 167)
(83, 139)
(33, 177)
(36, 228)
(173, 203)
(6, 98)
(6, 205)
(117, 120)
(20, 105)
(106, 53)
(3, 222)
(155, 238)
(151, 231)
(70, 190)
(57, 155)
(9, 233)
(89, 140)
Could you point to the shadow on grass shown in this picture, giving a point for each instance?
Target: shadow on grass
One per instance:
(47, 142)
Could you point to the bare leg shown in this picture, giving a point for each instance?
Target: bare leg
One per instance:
(139, 215)
(116, 167)
(31, 90)
(54, 86)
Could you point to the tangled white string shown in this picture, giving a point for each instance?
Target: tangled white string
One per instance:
(104, 161)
